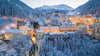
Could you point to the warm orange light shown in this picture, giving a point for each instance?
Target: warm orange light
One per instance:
(31, 16)
(3, 31)
(15, 18)
(26, 19)
(33, 40)
(6, 27)
(25, 32)
(31, 32)
(5, 17)
(49, 20)
(13, 25)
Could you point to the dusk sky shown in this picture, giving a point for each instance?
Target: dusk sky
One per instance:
(38, 3)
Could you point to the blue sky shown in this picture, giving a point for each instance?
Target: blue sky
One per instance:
(38, 3)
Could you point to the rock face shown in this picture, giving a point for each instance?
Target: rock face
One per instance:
(14, 8)
(91, 7)
(69, 44)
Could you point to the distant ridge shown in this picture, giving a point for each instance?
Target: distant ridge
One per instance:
(60, 8)
(56, 7)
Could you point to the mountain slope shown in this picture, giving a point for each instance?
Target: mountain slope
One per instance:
(91, 7)
(14, 8)
(56, 7)
(60, 8)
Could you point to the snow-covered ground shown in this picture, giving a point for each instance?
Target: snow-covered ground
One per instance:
(69, 44)
(18, 46)
(53, 44)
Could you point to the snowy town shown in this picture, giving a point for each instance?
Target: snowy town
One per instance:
(86, 28)
(49, 30)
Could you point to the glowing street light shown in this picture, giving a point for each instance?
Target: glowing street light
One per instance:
(5, 17)
(3, 31)
(33, 40)
(13, 25)
(15, 18)
(6, 27)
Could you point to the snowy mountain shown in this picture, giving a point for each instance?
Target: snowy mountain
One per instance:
(91, 7)
(56, 7)
(14, 8)
(60, 8)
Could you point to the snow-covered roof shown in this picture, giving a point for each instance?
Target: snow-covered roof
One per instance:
(23, 26)
(70, 32)
(56, 33)
(14, 31)
(82, 26)
(68, 24)
(97, 18)
(39, 31)
(60, 33)
(27, 24)
(30, 29)
(49, 27)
